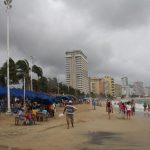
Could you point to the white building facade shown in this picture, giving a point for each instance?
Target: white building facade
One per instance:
(77, 70)
(138, 88)
(124, 81)
(147, 91)
(125, 87)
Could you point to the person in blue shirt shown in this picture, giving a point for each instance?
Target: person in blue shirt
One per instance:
(94, 104)
(69, 109)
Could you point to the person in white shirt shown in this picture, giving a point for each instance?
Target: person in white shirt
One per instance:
(128, 107)
(70, 109)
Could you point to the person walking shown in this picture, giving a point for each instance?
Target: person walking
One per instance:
(69, 109)
(109, 108)
(94, 104)
(148, 110)
(133, 107)
(129, 109)
(145, 108)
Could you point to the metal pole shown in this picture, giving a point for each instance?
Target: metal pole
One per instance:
(8, 87)
(58, 88)
(8, 6)
(58, 85)
(31, 71)
(24, 82)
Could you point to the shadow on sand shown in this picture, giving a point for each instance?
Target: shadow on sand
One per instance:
(107, 141)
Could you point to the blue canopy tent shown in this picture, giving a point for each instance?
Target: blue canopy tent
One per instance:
(3, 91)
(30, 95)
(41, 97)
(58, 99)
(65, 97)
(19, 93)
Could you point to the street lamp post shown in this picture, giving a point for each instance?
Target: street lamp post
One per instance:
(24, 89)
(31, 71)
(8, 6)
(58, 86)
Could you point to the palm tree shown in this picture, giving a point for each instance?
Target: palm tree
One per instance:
(2, 77)
(23, 70)
(37, 70)
(43, 83)
(12, 72)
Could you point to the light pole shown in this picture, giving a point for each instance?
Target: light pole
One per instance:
(58, 85)
(31, 71)
(8, 6)
(24, 89)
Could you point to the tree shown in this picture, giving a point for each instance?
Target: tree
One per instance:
(43, 84)
(35, 85)
(37, 70)
(12, 72)
(23, 70)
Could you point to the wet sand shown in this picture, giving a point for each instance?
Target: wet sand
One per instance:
(93, 131)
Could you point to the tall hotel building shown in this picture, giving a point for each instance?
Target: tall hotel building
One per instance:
(77, 71)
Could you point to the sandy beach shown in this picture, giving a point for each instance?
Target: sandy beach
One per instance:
(93, 131)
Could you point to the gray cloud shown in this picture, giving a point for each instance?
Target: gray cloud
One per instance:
(115, 14)
(114, 34)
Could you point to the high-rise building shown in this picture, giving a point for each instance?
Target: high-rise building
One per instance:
(97, 85)
(110, 85)
(138, 88)
(124, 81)
(77, 70)
(125, 87)
(118, 90)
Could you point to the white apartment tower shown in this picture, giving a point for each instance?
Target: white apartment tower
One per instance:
(77, 71)
(124, 81)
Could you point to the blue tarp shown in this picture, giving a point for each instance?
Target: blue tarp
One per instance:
(17, 93)
(33, 96)
(65, 97)
(3, 91)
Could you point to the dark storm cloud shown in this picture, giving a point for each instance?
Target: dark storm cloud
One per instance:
(108, 32)
(114, 14)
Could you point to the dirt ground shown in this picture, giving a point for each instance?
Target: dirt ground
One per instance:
(93, 131)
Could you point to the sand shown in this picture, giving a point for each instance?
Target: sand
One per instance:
(93, 131)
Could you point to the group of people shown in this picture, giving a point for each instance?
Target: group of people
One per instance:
(24, 117)
(27, 112)
(127, 109)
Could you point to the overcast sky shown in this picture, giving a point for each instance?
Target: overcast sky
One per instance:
(113, 34)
